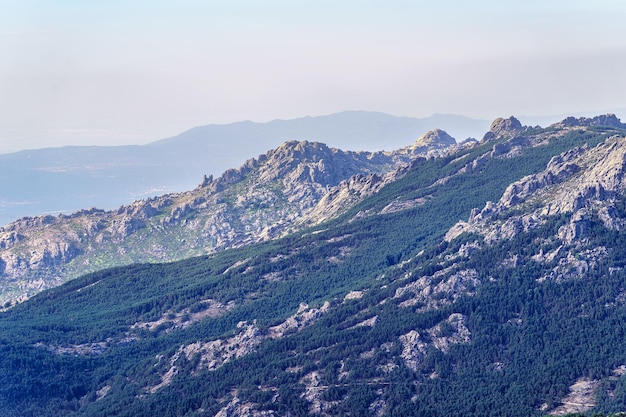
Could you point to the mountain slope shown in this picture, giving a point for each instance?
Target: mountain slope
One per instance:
(294, 186)
(384, 310)
(63, 180)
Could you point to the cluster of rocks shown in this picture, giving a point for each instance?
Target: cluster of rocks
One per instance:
(582, 182)
(214, 354)
(442, 288)
(585, 184)
(607, 120)
(415, 345)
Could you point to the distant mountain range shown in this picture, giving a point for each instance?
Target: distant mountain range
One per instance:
(63, 180)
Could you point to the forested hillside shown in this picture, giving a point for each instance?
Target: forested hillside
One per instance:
(485, 282)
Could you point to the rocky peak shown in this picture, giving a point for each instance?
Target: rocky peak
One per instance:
(293, 161)
(504, 127)
(302, 150)
(295, 151)
(609, 120)
(435, 138)
(300, 162)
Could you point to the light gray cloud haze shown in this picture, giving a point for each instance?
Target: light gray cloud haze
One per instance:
(133, 71)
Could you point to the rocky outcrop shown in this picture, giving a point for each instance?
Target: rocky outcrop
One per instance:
(238, 408)
(171, 320)
(414, 349)
(516, 143)
(504, 127)
(510, 138)
(438, 290)
(304, 317)
(559, 169)
(451, 331)
(214, 354)
(581, 398)
(607, 120)
(583, 182)
(434, 138)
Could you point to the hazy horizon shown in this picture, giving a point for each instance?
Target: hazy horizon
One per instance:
(132, 72)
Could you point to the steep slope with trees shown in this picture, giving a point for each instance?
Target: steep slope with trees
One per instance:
(413, 302)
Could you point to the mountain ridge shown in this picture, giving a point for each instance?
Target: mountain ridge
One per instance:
(297, 185)
(293, 186)
(378, 311)
(63, 180)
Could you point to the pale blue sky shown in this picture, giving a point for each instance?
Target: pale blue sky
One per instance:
(112, 72)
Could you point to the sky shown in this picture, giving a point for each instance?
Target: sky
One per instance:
(86, 72)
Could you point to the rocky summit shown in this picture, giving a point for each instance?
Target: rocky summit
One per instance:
(478, 279)
(435, 138)
(501, 127)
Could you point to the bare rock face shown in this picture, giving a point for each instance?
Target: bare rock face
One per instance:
(504, 148)
(304, 317)
(589, 177)
(414, 349)
(503, 127)
(438, 290)
(559, 169)
(443, 336)
(450, 332)
(238, 408)
(580, 399)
